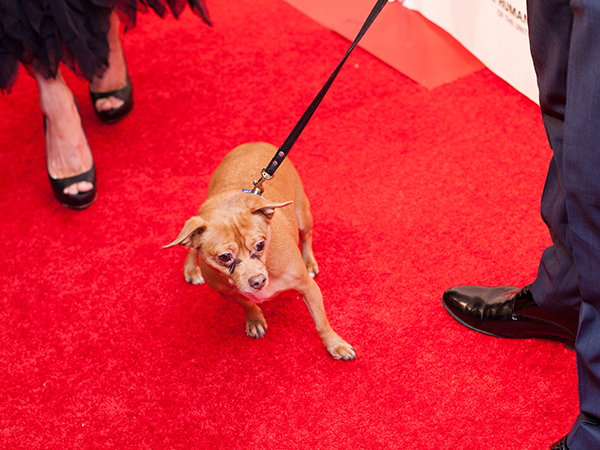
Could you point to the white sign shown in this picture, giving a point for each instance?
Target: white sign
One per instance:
(495, 31)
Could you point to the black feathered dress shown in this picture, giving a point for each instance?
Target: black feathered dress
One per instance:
(41, 34)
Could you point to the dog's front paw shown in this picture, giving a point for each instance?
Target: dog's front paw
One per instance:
(256, 325)
(193, 275)
(343, 351)
(256, 328)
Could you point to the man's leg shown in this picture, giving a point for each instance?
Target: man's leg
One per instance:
(550, 308)
(565, 44)
(581, 188)
(565, 39)
(550, 25)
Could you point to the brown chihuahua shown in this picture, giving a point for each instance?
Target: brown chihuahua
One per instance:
(245, 250)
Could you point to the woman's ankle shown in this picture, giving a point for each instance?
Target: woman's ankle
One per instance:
(115, 76)
(56, 99)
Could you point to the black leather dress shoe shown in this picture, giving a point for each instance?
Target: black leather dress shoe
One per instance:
(560, 445)
(507, 312)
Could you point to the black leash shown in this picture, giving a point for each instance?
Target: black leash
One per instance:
(268, 172)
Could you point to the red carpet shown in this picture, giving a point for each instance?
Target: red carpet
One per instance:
(103, 345)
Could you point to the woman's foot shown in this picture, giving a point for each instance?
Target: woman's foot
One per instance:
(67, 150)
(115, 80)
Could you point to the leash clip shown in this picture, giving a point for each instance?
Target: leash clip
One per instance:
(258, 190)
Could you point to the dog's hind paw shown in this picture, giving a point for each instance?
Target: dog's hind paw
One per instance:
(311, 267)
(310, 262)
(193, 276)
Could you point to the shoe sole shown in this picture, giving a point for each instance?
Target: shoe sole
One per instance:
(80, 207)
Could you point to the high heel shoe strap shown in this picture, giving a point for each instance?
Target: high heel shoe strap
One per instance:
(60, 184)
(123, 94)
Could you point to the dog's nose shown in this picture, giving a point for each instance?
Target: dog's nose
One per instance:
(257, 282)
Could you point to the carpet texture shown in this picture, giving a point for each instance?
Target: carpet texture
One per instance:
(103, 345)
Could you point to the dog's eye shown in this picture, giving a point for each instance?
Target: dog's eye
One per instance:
(260, 246)
(225, 258)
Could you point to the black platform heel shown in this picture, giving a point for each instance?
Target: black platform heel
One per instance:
(114, 115)
(78, 201)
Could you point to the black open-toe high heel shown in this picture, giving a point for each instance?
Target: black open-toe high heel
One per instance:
(115, 114)
(78, 201)
(81, 200)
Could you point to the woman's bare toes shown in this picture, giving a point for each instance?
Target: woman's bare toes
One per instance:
(106, 104)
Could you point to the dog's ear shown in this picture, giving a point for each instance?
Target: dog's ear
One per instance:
(258, 204)
(191, 233)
